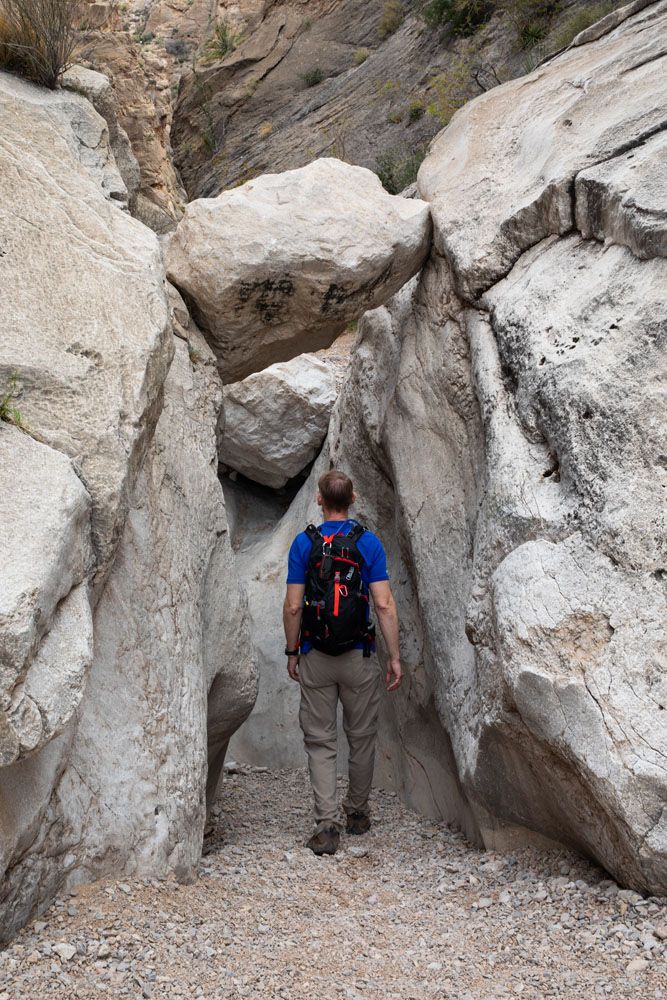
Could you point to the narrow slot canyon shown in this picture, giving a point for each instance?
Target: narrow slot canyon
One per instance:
(199, 326)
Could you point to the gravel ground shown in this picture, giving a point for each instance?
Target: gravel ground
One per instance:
(408, 911)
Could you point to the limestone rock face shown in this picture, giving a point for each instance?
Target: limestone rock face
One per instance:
(276, 419)
(522, 432)
(71, 121)
(115, 714)
(504, 424)
(46, 633)
(86, 325)
(279, 266)
(142, 107)
(513, 175)
(97, 88)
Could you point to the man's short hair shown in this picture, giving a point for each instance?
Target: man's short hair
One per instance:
(336, 490)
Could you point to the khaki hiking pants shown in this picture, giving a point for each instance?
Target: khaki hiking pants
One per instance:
(356, 681)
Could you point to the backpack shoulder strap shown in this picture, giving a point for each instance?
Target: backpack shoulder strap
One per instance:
(355, 532)
(312, 532)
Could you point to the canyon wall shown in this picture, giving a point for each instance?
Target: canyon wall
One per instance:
(125, 661)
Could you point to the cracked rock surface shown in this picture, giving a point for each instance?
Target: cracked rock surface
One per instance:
(408, 911)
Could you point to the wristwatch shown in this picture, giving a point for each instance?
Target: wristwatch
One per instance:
(292, 652)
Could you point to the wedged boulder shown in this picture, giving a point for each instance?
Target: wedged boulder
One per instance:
(499, 180)
(45, 615)
(275, 420)
(86, 327)
(280, 265)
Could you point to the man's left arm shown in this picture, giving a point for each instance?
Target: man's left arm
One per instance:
(292, 613)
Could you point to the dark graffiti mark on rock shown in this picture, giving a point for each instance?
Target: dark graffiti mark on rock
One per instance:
(266, 297)
(335, 295)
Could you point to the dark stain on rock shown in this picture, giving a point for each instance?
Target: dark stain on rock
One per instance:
(266, 297)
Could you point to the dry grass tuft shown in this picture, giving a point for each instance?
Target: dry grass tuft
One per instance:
(38, 37)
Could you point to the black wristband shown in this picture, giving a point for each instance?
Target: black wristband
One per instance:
(292, 652)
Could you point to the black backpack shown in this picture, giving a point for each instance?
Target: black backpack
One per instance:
(335, 614)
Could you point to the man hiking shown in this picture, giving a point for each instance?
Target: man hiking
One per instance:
(332, 570)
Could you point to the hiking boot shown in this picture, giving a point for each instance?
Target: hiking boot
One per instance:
(324, 842)
(358, 823)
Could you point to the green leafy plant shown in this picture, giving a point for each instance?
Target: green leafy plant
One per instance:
(313, 76)
(451, 89)
(392, 18)
(360, 56)
(222, 43)
(397, 168)
(38, 38)
(415, 111)
(531, 20)
(8, 411)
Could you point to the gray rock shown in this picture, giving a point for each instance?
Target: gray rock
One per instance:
(97, 88)
(275, 420)
(495, 192)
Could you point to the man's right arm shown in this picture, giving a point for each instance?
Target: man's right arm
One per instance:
(387, 616)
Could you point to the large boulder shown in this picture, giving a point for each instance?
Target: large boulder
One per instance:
(275, 420)
(86, 326)
(279, 266)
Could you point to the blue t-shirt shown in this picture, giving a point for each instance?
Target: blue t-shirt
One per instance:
(373, 570)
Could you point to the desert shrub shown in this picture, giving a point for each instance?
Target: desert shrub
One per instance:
(461, 17)
(265, 129)
(313, 76)
(531, 19)
(392, 18)
(395, 117)
(360, 56)
(38, 37)
(147, 36)
(579, 21)
(415, 111)
(222, 43)
(397, 168)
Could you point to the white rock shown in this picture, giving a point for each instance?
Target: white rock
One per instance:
(45, 615)
(86, 326)
(496, 191)
(281, 264)
(65, 951)
(98, 90)
(275, 420)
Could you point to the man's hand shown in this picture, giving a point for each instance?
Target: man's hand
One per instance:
(293, 667)
(394, 674)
